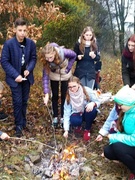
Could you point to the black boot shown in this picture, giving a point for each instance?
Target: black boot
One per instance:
(18, 131)
(3, 116)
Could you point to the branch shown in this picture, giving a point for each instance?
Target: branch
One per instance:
(33, 141)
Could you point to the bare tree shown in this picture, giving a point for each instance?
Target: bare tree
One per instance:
(112, 27)
(121, 14)
(118, 10)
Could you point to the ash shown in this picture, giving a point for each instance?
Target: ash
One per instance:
(59, 165)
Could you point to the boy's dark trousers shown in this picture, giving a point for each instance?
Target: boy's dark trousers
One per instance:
(20, 95)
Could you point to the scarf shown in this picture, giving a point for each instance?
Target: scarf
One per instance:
(127, 54)
(87, 43)
(77, 99)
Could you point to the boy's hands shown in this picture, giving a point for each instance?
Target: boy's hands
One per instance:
(4, 136)
(26, 73)
(18, 79)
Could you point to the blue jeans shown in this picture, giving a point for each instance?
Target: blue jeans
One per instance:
(86, 82)
(77, 118)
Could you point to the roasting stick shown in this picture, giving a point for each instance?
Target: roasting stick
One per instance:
(30, 140)
(53, 127)
(35, 141)
(91, 142)
(65, 142)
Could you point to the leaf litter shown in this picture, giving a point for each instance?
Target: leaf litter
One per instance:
(13, 152)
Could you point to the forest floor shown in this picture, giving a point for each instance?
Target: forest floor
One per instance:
(13, 152)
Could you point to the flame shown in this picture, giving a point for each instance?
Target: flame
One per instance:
(64, 174)
(73, 157)
(67, 154)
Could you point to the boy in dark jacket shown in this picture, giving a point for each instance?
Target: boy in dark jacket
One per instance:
(18, 61)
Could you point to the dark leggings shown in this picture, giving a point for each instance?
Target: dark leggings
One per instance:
(55, 96)
(123, 153)
(76, 119)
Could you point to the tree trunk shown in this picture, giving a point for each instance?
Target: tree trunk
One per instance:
(112, 29)
(120, 22)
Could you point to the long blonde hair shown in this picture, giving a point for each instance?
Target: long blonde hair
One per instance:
(48, 49)
(77, 80)
(93, 46)
(1, 86)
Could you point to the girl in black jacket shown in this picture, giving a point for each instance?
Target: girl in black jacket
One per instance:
(87, 54)
(128, 62)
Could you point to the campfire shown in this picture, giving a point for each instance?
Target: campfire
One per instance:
(63, 165)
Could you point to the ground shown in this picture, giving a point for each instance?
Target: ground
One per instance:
(12, 152)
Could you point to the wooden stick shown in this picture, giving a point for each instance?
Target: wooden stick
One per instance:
(33, 141)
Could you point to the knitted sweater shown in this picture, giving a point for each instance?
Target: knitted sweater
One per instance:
(62, 72)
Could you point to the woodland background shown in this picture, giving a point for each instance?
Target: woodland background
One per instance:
(62, 21)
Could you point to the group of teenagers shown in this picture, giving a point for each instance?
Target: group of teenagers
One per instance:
(75, 74)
